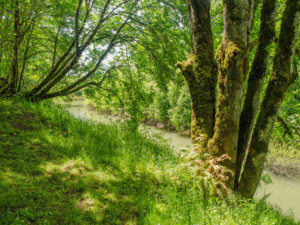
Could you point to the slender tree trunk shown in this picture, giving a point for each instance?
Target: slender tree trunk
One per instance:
(255, 81)
(64, 59)
(55, 47)
(70, 58)
(2, 80)
(0, 63)
(60, 75)
(282, 77)
(232, 58)
(11, 87)
(25, 59)
(200, 72)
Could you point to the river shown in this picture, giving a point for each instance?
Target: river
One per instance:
(284, 192)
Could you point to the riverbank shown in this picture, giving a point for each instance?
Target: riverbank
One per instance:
(283, 160)
(287, 200)
(166, 125)
(56, 169)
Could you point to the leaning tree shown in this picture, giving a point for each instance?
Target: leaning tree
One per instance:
(87, 32)
(225, 132)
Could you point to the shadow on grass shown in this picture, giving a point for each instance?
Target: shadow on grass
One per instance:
(55, 169)
(54, 175)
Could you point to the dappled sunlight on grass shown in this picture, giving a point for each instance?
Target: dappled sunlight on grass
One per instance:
(10, 178)
(88, 203)
(66, 171)
(73, 167)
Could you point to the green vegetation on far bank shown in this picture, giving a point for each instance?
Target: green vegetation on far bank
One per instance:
(56, 169)
(283, 158)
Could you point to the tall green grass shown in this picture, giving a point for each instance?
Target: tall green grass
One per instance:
(55, 169)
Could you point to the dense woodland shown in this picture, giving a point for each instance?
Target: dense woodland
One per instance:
(224, 72)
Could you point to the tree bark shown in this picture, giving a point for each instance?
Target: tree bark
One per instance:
(12, 81)
(255, 81)
(25, 58)
(200, 72)
(282, 77)
(55, 46)
(232, 59)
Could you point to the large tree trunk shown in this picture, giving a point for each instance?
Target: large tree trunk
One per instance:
(282, 77)
(232, 59)
(200, 72)
(255, 81)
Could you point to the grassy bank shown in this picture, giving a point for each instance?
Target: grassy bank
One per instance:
(55, 169)
(283, 159)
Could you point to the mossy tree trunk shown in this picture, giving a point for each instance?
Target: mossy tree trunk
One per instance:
(255, 80)
(226, 133)
(282, 77)
(232, 60)
(200, 72)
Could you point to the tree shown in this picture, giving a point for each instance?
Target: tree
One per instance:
(87, 32)
(225, 136)
(148, 71)
(70, 44)
(18, 19)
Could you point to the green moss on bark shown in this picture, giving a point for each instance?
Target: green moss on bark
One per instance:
(282, 77)
(200, 75)
(255, 81)
(231, 56)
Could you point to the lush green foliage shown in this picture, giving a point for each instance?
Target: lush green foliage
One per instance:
(60, 170)
(159, 89)
(120, 54)
(138, 75)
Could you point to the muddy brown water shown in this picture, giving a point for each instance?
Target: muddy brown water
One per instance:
(284, 192)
